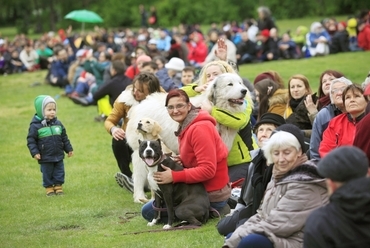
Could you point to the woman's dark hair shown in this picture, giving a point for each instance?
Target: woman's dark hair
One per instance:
(266, 88)
(353, 88)
(150, 80)
(334, 73)
(160, 58)
(177, 93)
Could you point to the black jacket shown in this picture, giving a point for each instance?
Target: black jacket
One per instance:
(339, 42)
(345, 221)
(246, 47)
(50, 141)
(113, 88)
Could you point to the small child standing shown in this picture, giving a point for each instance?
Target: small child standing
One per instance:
(47, 141)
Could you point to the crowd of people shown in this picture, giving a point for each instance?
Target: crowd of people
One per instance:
(289, 141)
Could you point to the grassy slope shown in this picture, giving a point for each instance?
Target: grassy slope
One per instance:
(92, 212)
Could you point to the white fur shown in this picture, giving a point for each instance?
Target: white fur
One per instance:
(226, 86)
(219, 91)
(152, 107)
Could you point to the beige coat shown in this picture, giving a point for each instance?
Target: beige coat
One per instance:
(285, 208)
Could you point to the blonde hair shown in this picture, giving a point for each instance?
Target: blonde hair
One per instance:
(304, 80)
(224, 67)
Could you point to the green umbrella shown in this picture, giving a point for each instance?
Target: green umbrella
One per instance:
(84, 16)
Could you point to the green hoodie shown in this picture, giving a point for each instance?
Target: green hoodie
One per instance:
(40, 103)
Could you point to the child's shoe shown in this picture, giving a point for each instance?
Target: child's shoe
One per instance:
(58, 190)
(50, 191)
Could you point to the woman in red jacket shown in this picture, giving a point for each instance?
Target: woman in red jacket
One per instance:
(363, 37)
(197, 49)
(341, 130)
(202, 153)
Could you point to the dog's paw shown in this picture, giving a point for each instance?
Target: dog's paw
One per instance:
(167, 226)
(152, 223)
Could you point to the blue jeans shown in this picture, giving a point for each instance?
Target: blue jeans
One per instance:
(255, 241)
(52, 173)
(148, 212)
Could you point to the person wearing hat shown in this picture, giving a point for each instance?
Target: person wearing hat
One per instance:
(345, 221)
(152, 48)
(317, 40)
(256, 179)
(295, 190)
(268, 50)
(170, 75)
(47, 142)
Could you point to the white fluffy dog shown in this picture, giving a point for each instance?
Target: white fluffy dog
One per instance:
(229, 93)
(153, 108)
(226, 92)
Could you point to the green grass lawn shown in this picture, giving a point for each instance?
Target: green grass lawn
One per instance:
(92, 213)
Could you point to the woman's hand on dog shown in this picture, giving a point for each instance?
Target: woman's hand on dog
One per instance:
(118, 133)
(177, 159)
(163, 177)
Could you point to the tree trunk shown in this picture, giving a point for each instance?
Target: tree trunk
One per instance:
(52, 15)
(38, 24)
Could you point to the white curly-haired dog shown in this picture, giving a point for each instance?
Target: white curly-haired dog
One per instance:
(226, 92)
(152, 107)
(229, 93)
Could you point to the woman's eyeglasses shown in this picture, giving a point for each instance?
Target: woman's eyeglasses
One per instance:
(179, 106)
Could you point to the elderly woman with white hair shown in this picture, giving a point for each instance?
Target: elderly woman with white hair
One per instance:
(295, 190)
(341, 130)
(318, 40)
(327, 113)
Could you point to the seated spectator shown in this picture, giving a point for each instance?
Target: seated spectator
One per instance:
(45, 54)
(297, 112)
(340, 40)
(271, 98)
(334, 108)
(231, 50)
(83, 91)
(341, 129)
(175, 50)
(29, 58)
(197, 49)
(152, 48)
(287, 47)
(170, 76)
(256, 180)
(59, 70)
(299, 38)
(160, 61)
(268, 49)
(212, 39)
(15, 63)
(252, 29)
(352, 32)
(363, 37)
(345, 221)
(187, 75)
(295, 190)
(164, 41)
(134, 69)
(246, 50)
(149, 66)
(318, 40)
(330, 25)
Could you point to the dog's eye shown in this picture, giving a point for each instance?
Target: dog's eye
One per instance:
(230, 84)
(147, 121)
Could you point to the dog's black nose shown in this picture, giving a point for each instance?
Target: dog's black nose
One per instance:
(243, 91)
(139, 124)
(149, 153)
